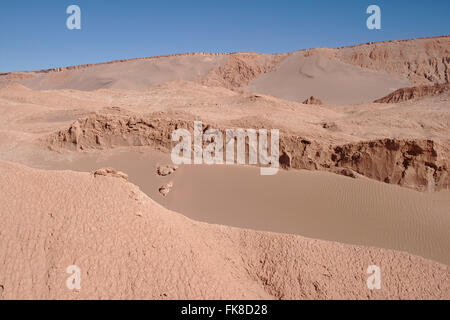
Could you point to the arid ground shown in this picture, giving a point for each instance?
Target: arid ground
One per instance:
(87, 178)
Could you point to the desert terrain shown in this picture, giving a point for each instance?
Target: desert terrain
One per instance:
(87, 177)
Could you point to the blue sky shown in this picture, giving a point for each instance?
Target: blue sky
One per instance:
(33, 34)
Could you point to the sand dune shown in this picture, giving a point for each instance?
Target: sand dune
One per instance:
(346, 75)
(127, 246)
(299, 76)
(139, 74)
(357, 211)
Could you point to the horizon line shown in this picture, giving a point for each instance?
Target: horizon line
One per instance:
(86, 65)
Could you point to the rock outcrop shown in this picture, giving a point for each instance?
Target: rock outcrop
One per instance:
(240, 69)
(312, 100)
(423, 61)
(111, 172)
(406, 94)
(165, 188)
(415, 163)
(166, 170)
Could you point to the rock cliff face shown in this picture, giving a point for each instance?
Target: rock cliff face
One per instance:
(424, 61)
(107, 131)
(240, 69)
(406, 94)
(417, 164)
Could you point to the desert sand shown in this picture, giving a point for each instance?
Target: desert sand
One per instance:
(86, 176)
(128, 246)
(357, 211)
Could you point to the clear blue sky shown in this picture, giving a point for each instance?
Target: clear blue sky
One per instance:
(33, 34)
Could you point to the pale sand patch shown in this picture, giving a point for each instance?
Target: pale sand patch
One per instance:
(137, 74)
(298, 77)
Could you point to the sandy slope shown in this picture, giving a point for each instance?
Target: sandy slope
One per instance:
(299, 76)
(136, 74)
(346, 75)
(356, 211)
(127, 246)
